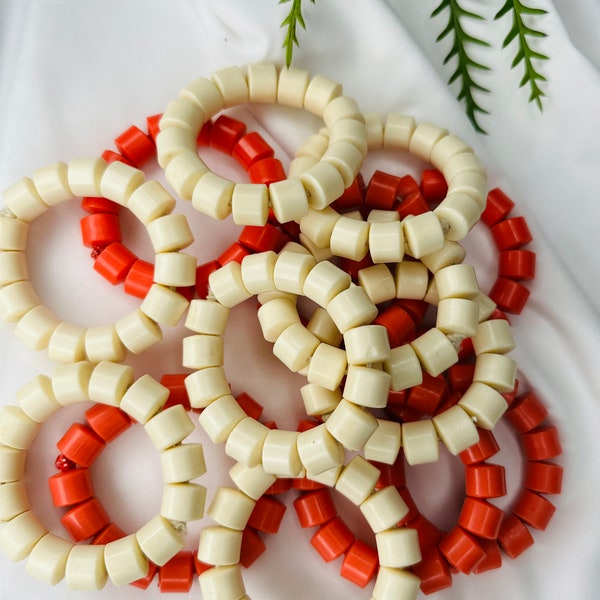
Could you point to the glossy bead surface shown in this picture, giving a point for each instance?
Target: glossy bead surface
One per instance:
(332, 539)
(85, 519)
(81, 445)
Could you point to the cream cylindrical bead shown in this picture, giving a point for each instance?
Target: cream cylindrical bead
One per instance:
(252, 481)
(291, 269)
(257, 272)
(227, 286)
(103, 343)
(395, 583)
(207, 316)
(319, 450)
(420, 442)
(318, 225)
(384, 509)
(314, 147)
(367, 386)
(109, 382)
(412, 279)
(250, 204)
(383, 216)
(230, 508)
(435, 351)
(48, 559)
(473, 183)
(349, 131)
(183, 501)
(70, 382)
(205, 94)
(13, 267)
(17, 430)
(280, 453)
(219, 545)
(397, 131)
(483, 404)
(17, 299)
(324, 184)
(67, 343)
(13, 500)
(461, 162)
(222, 583)
(493, 336)
(423, 234)
(37, 400)
(289, 199)
(262, 82)
(275, 316)
(340, 108)
(295, 346)
(172, 142)
(13, 234)
(150, 201)
(324, 282)
(496, 370)
(52, 183)
(378, 283)
(458, 213)
(159, 540)
(374, 131)
(456, 429)
(386, 241)
(457, 281)
(164, 305)
(201, 351)
(182, 462)
(347, 159)
(169, 427)
(144, 398)
(350, 238)
(367, 344)
(327, 366)
(292, 86)
(22, 199)
(404, 367)
(12, 464)
(327, 478)
(170, 232)
(319, 254)
(384, 445)
(138, 332)
(320, 92)
(424, 139)
(220, 417)
(357, 480)
(119, 181)
(457, 315)
(231, 83)
(246, 440)
(213, 196)
(183, 113)
(351, 425)
(86, 568)
(451, 253)
(175, 269)
(19, 536)
(319, 400)
(322, 326)
(36, 326)
(125, 561)
(351, 308)
(445, 148)
(398, 547)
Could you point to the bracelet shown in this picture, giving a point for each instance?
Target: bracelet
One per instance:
(52, 558)
(289, 198)
(36, 325)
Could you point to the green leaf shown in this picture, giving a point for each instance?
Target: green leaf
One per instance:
(291, 22)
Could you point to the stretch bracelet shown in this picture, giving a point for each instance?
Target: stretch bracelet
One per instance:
(52, 558)
(290, 198)
(36, 325)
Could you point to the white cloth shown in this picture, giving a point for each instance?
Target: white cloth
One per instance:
(73, 75)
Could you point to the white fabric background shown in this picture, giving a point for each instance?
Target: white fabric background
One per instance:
(73, 75)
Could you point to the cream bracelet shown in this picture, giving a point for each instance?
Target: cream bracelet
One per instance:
(290, 199)
(169, 232)
(87, 567)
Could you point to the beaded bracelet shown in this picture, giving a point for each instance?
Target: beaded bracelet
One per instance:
(37, 326)
(290, 198)
(52, 558)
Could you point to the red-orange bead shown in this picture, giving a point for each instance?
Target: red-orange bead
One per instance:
(427, 396)
(391, 474)
(461, 550)
(514, 537)
(516, 264)
(460, 376)
(381, 191)
(303, 484)
(485, 448)
(413, 204)
(110, 533)
(139, 279)
(398, 322)
(332, 539)
(70, 487)
(136, 146)
(397, 398)
(497, 207)
(203, 138)
(108, 422)
(267, 171)
(509, 295)
(200, 566)
(413, 510)
(85, 519)
(100, 229)
(250, 148)
(261, 239)
(480, 518)
(177, 574)
(433, 186)
(492, 559)
(144, 582)
(353, 196)
(407, 185)
(544, 477)
(249, 405)
(352, 267)
(252, 547)
(81, 445)
(415, 308)
(234, 253)
(153, 125)
(533, 509)
(175, 383)
(281, 485)
(93, 205)
(202, 274)
(360, 564)
(511, 233)
(315, 508)
(114, 262)
(110, 157)
(485, 480)
(429, 535)
(526, 412)
(267, 514)
(541, 443)
(225, 133)
(433, 571)
(62, 463)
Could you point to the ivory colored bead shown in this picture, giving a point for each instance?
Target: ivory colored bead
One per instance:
(374, 131)
(319, 400)
(201, 351)
(250, 204)
(346, 157)
(320, 254)
(227, 286)
(219, 546)
(20, 535)
(169, 427)
(84, 176)
(119, 181)
(289, 199)
(383, 216)
(397, 132)
(493, 336)
(318, 225)
(357, 480)
(67, 343)
(13, 234)
(230, 508)
(23, 201)
(144, 398)
(205, 94)
(384, 509)
(349, 131)
(435, 351)
(420, 442)
(483, 404)
(327, 478)
(206, 385)
(323, 183)
(35, 327)
(319, 450)
(295, 346)
(473, 183)
(222, 583)
(183, 113)
(108, 382)
(125, 561)
(17, 299)
(404, 367)
(213, 196)
(17, 430)
(159, 540)
(170, 232)
(291, 270)
(351, 308)
(412, 280)
(319, 93)
(138, 332)
(70, 382)
(262, 82)
(350, 238)
(207, 316)
(458, 212)
(398, 547)
(351, 425)
(461, 162)
(246, 440)
(48, 559)
(431, 297)
(457, 315)
(324, 282)
(280, 453)
(327, 366)
(103, 343)
(367, 344)
(384, 445)
(220, 417)
(182, 462)
(423, 234)
(322, 326)
(231, 83)
(86, 568)
(367, 386)
(183, 501)
(451, 253)
(252, 481)
(292, 86)
(386, 241)
(13, 267)
(313, 147)
(424, 139)
(275, 316)
(13, 500)
(175, 269)
(395, 583)
(257, 272)
(164, 305)
(456, 429)
(36, 399)
(172, 142)
(378, 283)
(12, 464)
(340, 108)
(486, 306)
(183, 172)
(52, 183)
(496, 370)
(445, 148)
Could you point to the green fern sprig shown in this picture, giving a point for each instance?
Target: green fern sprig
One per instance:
(465, 63)
(293, 19)
(525, 53)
